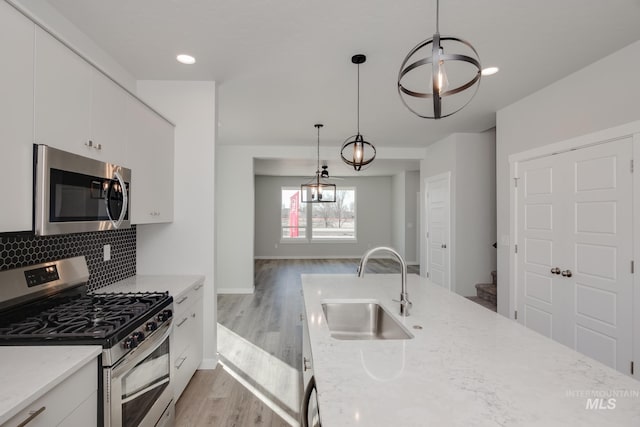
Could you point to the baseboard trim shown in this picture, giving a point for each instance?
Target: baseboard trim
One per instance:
(208, 364)
(242, 291)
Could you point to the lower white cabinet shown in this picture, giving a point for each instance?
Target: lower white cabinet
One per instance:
(72, 403)
(187, 336)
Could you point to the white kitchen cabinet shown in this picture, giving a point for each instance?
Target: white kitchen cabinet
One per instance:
(108, 119)
(187, 336)
(77, 108)
(16, 110)
(150, 153)
(72, 403)
(62, 96)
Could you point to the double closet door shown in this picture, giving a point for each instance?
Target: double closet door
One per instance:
(575, 245)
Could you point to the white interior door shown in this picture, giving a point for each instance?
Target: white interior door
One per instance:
(438, 229)
(575, 249)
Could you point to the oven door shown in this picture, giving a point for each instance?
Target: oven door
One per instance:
(138, 389)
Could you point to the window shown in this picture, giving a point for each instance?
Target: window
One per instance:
(318, 221)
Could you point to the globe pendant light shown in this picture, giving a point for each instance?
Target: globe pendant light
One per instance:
(427, 97)
(318, 190)
(356, 151)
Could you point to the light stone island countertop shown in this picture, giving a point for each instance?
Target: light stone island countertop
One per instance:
(175, 285)
(29, 372)
(468, 366)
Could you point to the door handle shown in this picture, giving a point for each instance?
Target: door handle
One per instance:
(567, 273)
(555, 270)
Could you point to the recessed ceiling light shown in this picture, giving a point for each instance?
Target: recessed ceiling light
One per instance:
(186, 59)
(490, 71)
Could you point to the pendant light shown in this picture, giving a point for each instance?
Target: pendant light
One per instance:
(317, 190)
(356, 151)
(440, 89)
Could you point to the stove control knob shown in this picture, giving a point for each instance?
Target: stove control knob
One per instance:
(129, 343)
(164, 315)
(151, 326)
(138, 336)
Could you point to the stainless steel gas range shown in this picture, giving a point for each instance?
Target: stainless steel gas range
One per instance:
(48, 304)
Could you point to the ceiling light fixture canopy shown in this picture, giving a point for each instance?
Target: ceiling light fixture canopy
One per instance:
(186, 59)
(317, 190)
(356, 151)
(457, 85)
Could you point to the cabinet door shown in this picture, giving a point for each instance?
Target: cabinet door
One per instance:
(62, 96)
(150, 154)
(16, 110)
(108, 118)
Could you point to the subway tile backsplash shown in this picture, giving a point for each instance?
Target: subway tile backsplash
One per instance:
(24, 250)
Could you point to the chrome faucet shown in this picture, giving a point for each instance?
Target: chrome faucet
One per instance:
(405, 304)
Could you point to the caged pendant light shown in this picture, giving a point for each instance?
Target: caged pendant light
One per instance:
(317, 190)
(427, 97)
(356, 151)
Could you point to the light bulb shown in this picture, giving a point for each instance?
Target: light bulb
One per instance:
(357, 152)
(442, 81)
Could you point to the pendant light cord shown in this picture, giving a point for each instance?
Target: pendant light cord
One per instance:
(358, 98)
(437, 16)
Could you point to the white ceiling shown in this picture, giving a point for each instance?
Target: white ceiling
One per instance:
(307, 167)
(283, 65)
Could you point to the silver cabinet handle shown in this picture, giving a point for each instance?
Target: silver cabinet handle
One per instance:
(193, 315)
(181, 322)
(198, 286)
(444, 246)
(183, 299)
(555, 270)
(32, 416)
(179, 365)
(567, 273)
(306, 364)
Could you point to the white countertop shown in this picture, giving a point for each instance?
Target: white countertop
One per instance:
(28, 372)
(468, 366)
(175, 285)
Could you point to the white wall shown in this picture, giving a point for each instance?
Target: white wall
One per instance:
(411, 222)
(470, 157)
(373, 212)
(603, 95)
(475, 210)
(186, 246)
(49, 18)
(398, 209)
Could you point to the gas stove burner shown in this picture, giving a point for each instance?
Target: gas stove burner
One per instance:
(84, 317)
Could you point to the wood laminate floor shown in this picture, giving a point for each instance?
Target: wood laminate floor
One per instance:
(215, 398)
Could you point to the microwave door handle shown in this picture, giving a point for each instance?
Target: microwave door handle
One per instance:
(125, 200)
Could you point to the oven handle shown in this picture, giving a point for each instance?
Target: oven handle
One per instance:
(146, 348)
(125, 201)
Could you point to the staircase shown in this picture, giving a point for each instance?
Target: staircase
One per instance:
(487, 293)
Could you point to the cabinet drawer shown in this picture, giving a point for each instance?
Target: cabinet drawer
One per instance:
(62, 401)
(184, 301)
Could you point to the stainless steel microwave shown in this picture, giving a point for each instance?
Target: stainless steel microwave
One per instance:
(75, 194)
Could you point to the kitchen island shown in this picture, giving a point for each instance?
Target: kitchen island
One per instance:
(464, 366)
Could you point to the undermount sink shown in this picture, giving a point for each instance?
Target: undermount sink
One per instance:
(362, 321)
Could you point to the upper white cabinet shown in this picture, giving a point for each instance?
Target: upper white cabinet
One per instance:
(108, 118)
(77, 108)
(150, 152)
(16, 110)
(62, 96)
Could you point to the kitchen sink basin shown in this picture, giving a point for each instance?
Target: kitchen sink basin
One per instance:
(362, 321)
